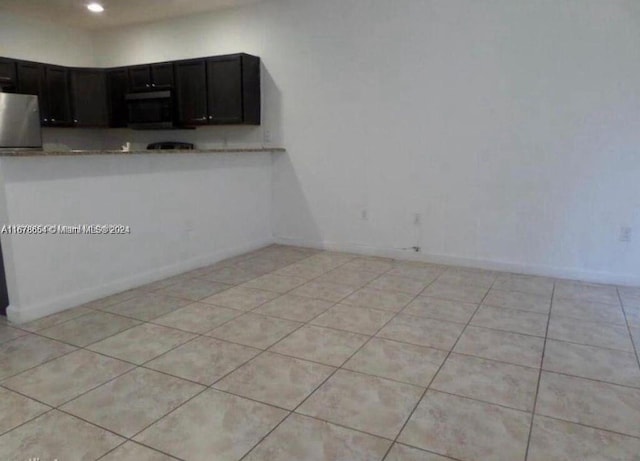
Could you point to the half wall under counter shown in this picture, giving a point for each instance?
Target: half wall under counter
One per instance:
(183, 209)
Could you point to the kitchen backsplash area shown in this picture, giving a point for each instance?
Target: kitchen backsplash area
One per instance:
(107, 139)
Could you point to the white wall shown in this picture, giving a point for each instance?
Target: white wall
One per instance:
(33, 40)
(511, 127)
(185, 211)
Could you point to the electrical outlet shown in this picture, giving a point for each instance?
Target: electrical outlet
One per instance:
(364, 215)
(267, 135)
(625, 234)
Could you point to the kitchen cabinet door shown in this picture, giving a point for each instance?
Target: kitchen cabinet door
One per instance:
(191, 92)
(233, 85)
(89, 97)
(118, 87)
(224, 85)
(57, 90)
(8, 75)
(251, 95)
(147, 77)
(31, 80)
(162, 75)
(140, 78)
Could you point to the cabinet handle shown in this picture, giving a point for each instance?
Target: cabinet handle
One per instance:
(153, 85)
(147, 85)
(53, 119)
(200, 119)
(75, 121)
(210, 117)
(46, 119)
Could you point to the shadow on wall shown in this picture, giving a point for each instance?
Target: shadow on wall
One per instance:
(272, 125)
(286, 183)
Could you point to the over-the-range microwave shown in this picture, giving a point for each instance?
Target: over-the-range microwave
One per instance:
(151, 110)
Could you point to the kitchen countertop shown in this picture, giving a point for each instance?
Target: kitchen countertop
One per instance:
(66, 153)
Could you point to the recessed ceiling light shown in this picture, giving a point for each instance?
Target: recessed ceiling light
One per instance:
(95, 7)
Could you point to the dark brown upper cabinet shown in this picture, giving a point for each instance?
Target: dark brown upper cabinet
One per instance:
(224, 90)
(162, 75)
(139, 78)
(118, 87)
(147, 77)
(233, 84)
(51, 85)
(219, 90)
(57, 91)
(191, 92)
(224, 85)
(89, 98)
(8, 80)
(31, 80)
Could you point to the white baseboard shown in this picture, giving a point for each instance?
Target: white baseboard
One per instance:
(20, 314)
(503, 266)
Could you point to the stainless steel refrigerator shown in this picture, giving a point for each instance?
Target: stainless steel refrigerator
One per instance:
(19, 122)
(19, 130)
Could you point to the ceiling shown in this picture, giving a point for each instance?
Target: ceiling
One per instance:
(117, 12)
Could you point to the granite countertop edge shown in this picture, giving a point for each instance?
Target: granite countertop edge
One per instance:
(66, 153)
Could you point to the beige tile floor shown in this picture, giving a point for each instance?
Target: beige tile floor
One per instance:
(293, 354)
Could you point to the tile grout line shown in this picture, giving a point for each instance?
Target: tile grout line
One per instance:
(413, 385)
(56, 408)
(553, 339)
(561, 373)
(198, 335)
(535, 398)
(336, 368)
(415, 407)
(99, 310)
(41, 363)
(210, 387)
(50, 407)
(124, 437)
(308, 322)
(171, 457)
(61, 410)
(76, 347)
(49, 410)
(291, 412)
(636, 347)
(598, 429)
(356, 290)
(205, 336)
(457, 353)
(595, 428)
(140, 322)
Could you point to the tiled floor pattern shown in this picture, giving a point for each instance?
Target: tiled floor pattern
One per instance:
(292, 354)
